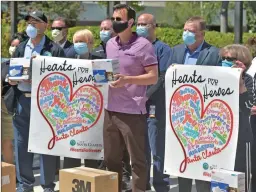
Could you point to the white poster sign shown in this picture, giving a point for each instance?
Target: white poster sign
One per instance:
(202, 113)
(66, 109)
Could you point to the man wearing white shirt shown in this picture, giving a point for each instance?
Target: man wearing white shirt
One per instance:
(59, 35)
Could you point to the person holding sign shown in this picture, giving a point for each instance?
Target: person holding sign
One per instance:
(239, 56)
(125, 113)
(83, 43)
(156, 116)
(194, 51)
(37, 44)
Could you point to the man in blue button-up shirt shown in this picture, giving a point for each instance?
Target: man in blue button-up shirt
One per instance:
(146, 27)
(37, 44)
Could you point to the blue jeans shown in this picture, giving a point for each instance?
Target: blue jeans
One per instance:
(156, 146)
(23, 158)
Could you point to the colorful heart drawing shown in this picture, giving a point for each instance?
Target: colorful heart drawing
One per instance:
(68, 113)
(202, 131)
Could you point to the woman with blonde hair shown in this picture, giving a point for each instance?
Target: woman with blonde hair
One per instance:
(83, 43)
(239, 56)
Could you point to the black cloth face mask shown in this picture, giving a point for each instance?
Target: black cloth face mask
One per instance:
(119, 26)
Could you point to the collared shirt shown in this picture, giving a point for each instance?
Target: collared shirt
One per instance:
(191, 59)
(63, 44)
(163, 53)
(31, 50)
(133, 57)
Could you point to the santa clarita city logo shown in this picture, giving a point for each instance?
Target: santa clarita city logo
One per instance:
(83, 144)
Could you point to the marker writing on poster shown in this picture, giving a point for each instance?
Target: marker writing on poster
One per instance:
(81, 80)
(202, 130)
(214, 93)
(83, 69)
(56, 67)
(194, 78)
(213, 81)
(67, 112)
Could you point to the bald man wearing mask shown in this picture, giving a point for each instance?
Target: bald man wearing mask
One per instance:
(146, 27)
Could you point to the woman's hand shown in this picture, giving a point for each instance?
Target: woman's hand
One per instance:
(242, 87)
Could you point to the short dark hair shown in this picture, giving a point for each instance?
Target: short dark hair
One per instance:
(200, 20)
(20, 36)
(131, 14)
(64, 20)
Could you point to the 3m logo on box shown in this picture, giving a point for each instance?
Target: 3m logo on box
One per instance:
(84, 179)
(81, 186)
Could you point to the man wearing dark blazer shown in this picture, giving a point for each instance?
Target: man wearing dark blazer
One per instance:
(59, 35)
(194, 51)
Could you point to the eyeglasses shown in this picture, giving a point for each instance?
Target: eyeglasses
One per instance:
(229, 58)
(116, 19)
(58, 28)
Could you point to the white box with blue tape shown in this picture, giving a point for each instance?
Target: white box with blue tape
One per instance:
(19, 69)
(227, 181)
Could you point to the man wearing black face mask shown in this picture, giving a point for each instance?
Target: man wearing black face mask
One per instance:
(125, 114)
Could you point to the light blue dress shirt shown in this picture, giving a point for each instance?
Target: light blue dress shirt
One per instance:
(191, 59)
(30, 51)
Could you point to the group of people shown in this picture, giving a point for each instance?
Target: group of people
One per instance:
(134, 122)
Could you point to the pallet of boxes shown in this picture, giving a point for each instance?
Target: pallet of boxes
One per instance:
(8, 178)
(83, 179)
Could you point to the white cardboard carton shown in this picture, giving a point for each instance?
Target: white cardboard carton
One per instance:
(227, 181)
(19, 69)
(104, 69)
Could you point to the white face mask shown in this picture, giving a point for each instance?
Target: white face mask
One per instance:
(12, 50)
(57, 35)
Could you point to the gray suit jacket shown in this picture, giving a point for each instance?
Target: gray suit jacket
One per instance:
(209, 55)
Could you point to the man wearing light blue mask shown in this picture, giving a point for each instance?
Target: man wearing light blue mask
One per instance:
(146, 26)
(37, 44)
(194, 51)
(106, 33)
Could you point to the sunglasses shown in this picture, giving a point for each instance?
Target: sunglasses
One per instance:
(116, 19)
(229, 58)
(58, 28)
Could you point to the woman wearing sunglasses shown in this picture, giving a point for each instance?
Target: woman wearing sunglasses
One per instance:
(239, 56)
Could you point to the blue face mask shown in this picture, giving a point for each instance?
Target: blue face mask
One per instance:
(105, 36)
(142, 31)
(226, 63)
(81, 48)
(31, 31)
(188, 37)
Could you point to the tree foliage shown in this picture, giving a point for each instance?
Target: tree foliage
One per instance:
(250, 7)
(134, 4)
(68, 9)
(176, 13)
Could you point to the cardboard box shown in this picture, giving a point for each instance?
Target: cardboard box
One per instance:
(104, 69)
(83, 179)
(227, 181)
(19, 69)
(8, 178)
